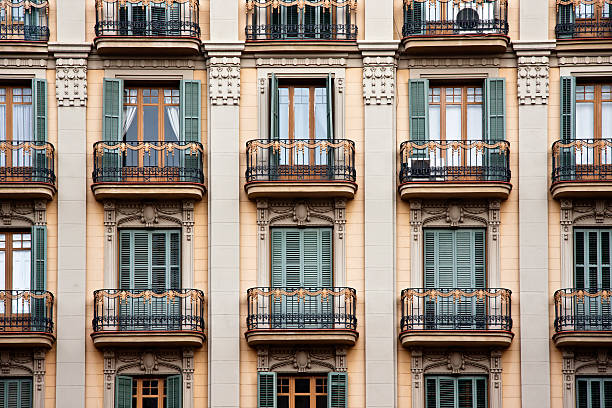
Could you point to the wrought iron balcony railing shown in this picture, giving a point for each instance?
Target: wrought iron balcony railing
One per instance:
(456, 309)
(22, 20)
(300, 160)
(301, 308)
(27, 162)
(151, 18)
(455, 17)
(137, 310)
(583, 19)
(582, 160)
(583, 310)
(454, 161)
(26, 311)
(308, 20)
(143, 162)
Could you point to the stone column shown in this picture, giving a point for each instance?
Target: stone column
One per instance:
(416, 244)
(569, 380)
(263, 244)
(567, 244)
(110, 369)
(110, 245)
(39, 378)
(187, 245)
(340, 243)
(71, 52)
(224, 225)
(495, 380)
(379, 196)
(533, 220)
(493, 260)
(187, 373)
(418, 385)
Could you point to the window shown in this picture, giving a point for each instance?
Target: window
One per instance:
(149, 260)
(455, 392)
(16, 393)
(455, 113)
(284, 391)
(307, 22)
(302, 258)
(157, 19)
(593, 392)
(15, 268)
(148, 392)
(594, 111)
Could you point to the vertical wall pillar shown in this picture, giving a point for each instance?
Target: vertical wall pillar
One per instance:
(71, 54)
(533, 223)
(380, 194)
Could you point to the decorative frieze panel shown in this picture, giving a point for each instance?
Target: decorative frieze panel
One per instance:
(71, 81)
(379, 80)
(300, 213)
(533, 80)
(301, 359)
(224, 80)
(155, 362)
(456, 362)
(23, 214)
(587, 60)
(453, 62)
(28, 364)
(300, 62)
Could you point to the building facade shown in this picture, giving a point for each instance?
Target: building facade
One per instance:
(305, 203)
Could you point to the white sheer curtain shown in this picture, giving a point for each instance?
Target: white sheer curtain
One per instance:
(474, 129)
(320, 123)
(175, 122)
(435, 155)
(21, 278)
(606, 130)
(584, 130)
(2, 133)
(22, 132)
(453, 133)
(129, 114)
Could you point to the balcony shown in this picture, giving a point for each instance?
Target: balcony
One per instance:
(456, 317)
(145, 170)
(583, 24)
(295, 24)
(300, 168)
(316, 316)
(456, 27)
(583, 317)
(582, 168)
(26, 318)
(135, 317)
(455, 169)
(26, 170)
(127, 27)
(24, 27)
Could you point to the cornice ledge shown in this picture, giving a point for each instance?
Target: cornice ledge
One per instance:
(69, 50)
(378, 48)
(529, 48)
(223, 49)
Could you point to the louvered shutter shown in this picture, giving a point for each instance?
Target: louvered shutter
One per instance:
(310, 21)
(174, 21)
(446, 393)
(124, 23)
(431, 247)
(123, 392)
(595, 389)
(292, 20)
(274, 155)
(414, 18)
(337, 390)
(582, 393)
(419, 110)
(16, 393)
(158, 19)
(293, 277)
(112, 112)
(481, 392)
(495, 127)
(3, 386)
(25, 394)
(607, 393)
(479, 282)
(431, 393)
(326, 22)
(174, 391)
(465, 393)
(39, 275)
(465, 276)
(266, 390)
(566, 155)
(565, 20)
(330, 119)
(39, 119)
(159, 279)
(190, 113)
(139, 20)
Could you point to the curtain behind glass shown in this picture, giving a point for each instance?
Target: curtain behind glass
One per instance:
(320, 123)
(22, 132)
(584, 130)
(172, 129)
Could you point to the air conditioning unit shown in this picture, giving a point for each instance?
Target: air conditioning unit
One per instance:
(420, 169)
(467, 21)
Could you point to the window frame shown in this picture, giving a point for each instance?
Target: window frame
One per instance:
(8, 255)
(597, 102)
(138, 396)
(140, 104)
(464, 103)
(292, 394)
(589, 381)
(455, 379)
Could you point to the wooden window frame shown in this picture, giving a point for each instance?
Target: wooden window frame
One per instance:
(137, 391)
(597, 102)
(8, 103)
(464, 103)
(8, 251)
(313, 394)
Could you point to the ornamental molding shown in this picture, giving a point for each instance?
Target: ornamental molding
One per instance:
(300, 62)
(23, 63)
(455, 213)
(26, 363)
(23, 214)
(453, 62)
(301, 213)
(585, 213)
(150, 63)
(586, 60)
(145, 214)
(533, 80)
(379, 80)
(312, 360)
(224, 80)
(71, 81)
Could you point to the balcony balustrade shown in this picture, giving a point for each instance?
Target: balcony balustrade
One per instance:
(290, 168)
(27, 169)
(148, 169)
(24, 21)
(139, 316)
(582, 168)
(26, 318)
(438, 169)
(583, 317)
(291, 20)
(583, 19)
(466, 317)
(322, 315)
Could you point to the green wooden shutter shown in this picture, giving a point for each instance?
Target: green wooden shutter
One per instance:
(592, 258)
(566, 156)
(123, 392)
(455, 392)
(430, 259)
(565, 19)
(582, 393)
(593, 392)
(190, 110)
(447, 261)
(419, 110)
(125, 260)
(278, 257)
(174, 393)
(337, 390)
(266, 390)
(431, 393)
(446, 393)
(330, 118)
(112, 110)
(39, 111)
(480, 387)
(39, 275)
(414, 16)
(495, 109)
(274, 109)
(16, 393)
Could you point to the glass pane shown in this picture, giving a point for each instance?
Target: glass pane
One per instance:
(151, 133)
(606, 130)
(584, 130)
(21, 278)
(171, 134)
(302, 385)
(149, 403)
(474, 132)
(2, 276)
(301, 107)
(321, 401)
(130, 132)
(302, 401)
(434, 132)
(283, 113)
(453, 122)
(320, 123)
(282, 401)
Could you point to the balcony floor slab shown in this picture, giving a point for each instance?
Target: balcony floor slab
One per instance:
(442, 189)
(26, 339)
(459, 338)
(291, 189)
(146, 338)
(137, 191)
(581, 189)
(278, 337)
(583, 339)
(24, 190)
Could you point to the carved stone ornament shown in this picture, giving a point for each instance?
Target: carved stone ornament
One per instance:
(300, 62)
(26, 364)
(582, 362)
(379, 80)
(17, 213)
(71, 81)
(454, 213)
(301, 359)
(533, 80)
(453, 62)
(224, 80)
(147, 214)
(588, 60)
